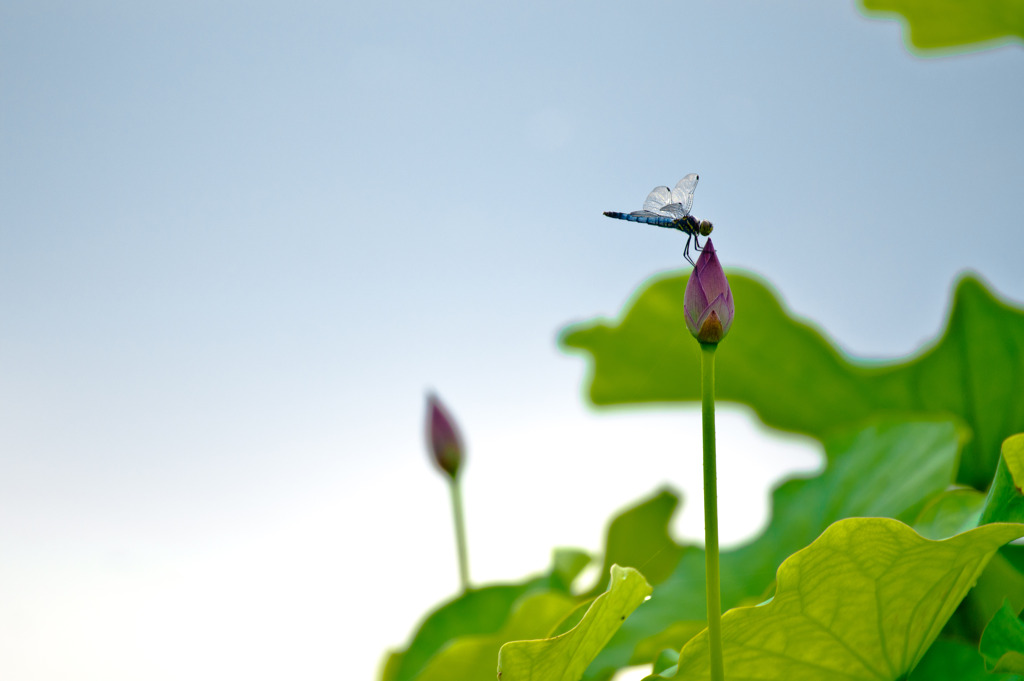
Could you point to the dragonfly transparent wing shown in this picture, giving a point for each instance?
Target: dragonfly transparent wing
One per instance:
(671, 203)
(676, 210)
(656, 201)
(682, 194)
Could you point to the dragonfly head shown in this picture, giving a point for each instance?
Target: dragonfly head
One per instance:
(705, 227)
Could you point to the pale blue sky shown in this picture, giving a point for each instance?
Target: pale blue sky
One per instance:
(239, 242)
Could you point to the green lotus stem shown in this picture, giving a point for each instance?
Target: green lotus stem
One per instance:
(460, 533)
(707, 371)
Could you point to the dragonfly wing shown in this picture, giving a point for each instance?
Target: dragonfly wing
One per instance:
(676, 210)
(658, 197)
(682, 194)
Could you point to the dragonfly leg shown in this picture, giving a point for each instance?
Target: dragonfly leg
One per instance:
(686, 251)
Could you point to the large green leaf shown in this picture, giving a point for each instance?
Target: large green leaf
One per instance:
(888, 469)
(565, 657)
(797, 380)
(1002, 644)
(944, 24)
(863, 602)
(478, 612)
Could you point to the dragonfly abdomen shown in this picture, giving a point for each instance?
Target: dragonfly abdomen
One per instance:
(686, 224)
(647, 219)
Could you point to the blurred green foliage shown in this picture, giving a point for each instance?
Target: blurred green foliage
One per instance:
(876, 598)
(640, 537)
(1004, 500)
(797, 380)
(1002, 644)
(952, 512)
(887, 469)
(955, 24)
(484, 612)
(955, 659)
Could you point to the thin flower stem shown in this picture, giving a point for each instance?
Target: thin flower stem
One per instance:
(707, 366)
(460, 534)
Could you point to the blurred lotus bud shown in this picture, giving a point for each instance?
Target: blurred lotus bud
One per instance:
(708, 300)
(443, 437)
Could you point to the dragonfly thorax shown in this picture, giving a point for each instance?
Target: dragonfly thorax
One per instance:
(692, 225)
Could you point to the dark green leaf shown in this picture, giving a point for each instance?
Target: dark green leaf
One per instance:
(954, 660)
(1002, 644)
(951, 660)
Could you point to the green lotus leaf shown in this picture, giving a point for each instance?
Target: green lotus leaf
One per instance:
(565, 657)
(1005, 501)
(952, 660)
(473, 657)
(796, 380)
(1002, 644)
(863, 602)
(666, 660)
(566, 567)
(958, 510)
(951, 512)
(945, 24)
(955, 660)
(887, 469)
(478, 612)
(1001, 581)
(639, 537)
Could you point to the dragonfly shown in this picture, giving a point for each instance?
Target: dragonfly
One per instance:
(670, 208)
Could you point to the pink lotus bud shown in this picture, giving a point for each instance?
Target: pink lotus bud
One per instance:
(708, 300)
(443, 437)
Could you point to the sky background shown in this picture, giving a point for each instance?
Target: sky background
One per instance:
(240, 241)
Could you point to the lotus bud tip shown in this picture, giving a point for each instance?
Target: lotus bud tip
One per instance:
(443, 438)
